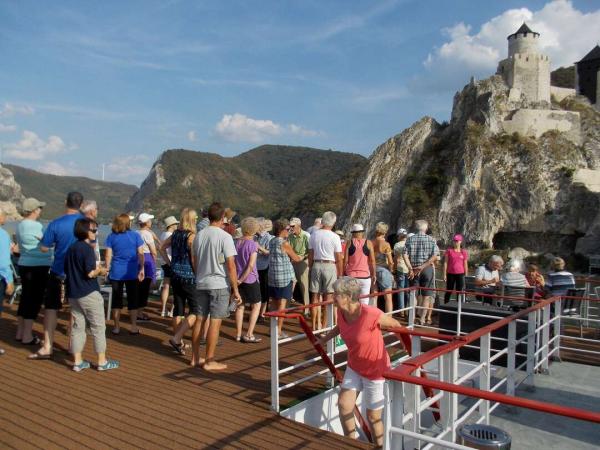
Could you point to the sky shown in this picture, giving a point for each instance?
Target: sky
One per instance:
(86, 85)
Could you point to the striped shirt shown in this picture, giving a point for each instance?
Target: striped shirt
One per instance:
(419, 248)
(558, 283)
(281, 271)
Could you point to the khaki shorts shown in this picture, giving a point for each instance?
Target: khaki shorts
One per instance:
(322, 277)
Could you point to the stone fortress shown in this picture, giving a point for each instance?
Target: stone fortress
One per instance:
(527, 73)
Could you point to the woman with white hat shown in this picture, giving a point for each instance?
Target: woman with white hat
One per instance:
(359, 261)
(34, 267)
(150, 253)
(170, 226)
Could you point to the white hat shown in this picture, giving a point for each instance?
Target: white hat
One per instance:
(171, 220)
(145, 217)
(410, 234)
(357, 228)
(401, 231)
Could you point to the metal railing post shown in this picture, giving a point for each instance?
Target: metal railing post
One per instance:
(413, 305)
(274, 365)
(449, 400)
(546, 335)
(459, 318)
(484, 374)
(330, 344)
(531, 337)
(510, 359)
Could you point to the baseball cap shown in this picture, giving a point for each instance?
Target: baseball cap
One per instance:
(458, 237)
(145, 217)
(401, 231)
(357, 228)
(31, 204)
(171, 220)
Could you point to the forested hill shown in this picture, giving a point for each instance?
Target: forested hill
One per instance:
(52, 189)
(269, 180)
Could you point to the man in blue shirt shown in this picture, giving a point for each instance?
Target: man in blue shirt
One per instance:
(60, 235)
(6, 275)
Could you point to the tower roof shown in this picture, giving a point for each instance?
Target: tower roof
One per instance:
(593, 54)
(524, 29)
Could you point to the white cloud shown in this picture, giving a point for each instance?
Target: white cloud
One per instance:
(9, 110)
(566, 35)
(191, 135)
(32, 147)
(128, 169)
(55, 168)
(7, 128)
(241, 128)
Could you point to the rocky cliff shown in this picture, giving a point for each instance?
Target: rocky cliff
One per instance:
(10, 194)
(471, 177)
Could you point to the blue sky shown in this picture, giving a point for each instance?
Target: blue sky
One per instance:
(118, 82)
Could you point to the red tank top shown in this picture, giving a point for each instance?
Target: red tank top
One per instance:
(358, 260)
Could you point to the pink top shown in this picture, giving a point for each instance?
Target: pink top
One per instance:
(456, 260)
(367, 355)
(358, 262)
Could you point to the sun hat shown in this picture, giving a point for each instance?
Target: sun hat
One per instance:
(401, 231)
(145, 217)
(340, 233)
(171, 220)
(357, 228)
(458, 237)
(31, 204)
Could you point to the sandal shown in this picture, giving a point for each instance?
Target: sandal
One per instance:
(135, 333)
(116, 331)
(179, 348)
(40, 356)
(35, 341)
(108, 365)
(81, 366)
(238, 339)
(251, 339)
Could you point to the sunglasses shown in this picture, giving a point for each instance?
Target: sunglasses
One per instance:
(93, 230)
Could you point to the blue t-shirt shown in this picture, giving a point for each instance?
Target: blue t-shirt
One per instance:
(29, 234)
(60, 235)
(5, 269)
(124, 246)
(80, 260)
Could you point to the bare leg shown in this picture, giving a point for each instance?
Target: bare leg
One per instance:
(27, 330)
(315, 313)
(49, 327)
(428, 302)
(164, 295)
(280, 307)
(239, 321)
(196, 333)
(175, 323)
(374, 418)
(117, 319)
(389, 303)
(183, 327)
(422, 313)
(263, 309)
(253, 318)
(346, 403)
(211, 345)
(133, 318)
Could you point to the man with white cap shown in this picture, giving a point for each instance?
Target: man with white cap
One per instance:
(298, 239)
(170, 226)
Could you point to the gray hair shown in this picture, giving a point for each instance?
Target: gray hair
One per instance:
(496, 258)
(421, 225)
(328, 219)
(514, 265)
(88, 206)
(347, 286)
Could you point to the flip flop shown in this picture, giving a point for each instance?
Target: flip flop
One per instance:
(116, 332)
(179, 348)
(37, 356)
(35, 341)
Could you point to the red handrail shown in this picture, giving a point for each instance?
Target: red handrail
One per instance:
(405, 372)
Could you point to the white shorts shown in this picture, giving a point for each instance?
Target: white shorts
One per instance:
(365, 289)
(372, 389)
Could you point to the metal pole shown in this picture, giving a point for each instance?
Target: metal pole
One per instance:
(510, 366)
(274, 365)
(546, 336)
(412, 311)
(531, 335)
(330, 344)
(449, 400)
(484, 374)
(459, 318)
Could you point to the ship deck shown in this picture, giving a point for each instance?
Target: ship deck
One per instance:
(154, 400)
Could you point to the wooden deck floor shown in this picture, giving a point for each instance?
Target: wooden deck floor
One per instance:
(154, 400)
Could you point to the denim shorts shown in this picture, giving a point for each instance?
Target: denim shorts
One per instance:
(212, 301)
(278, 293)
(384, 278)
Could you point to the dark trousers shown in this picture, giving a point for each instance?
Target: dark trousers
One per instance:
(263, 278)
(454, 282)
(132, 287)
(33, 283)
(144, 292)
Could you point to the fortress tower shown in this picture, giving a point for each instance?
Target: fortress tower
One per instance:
(526, 71)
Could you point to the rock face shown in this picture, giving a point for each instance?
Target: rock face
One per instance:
(471, 177)
(10, 194)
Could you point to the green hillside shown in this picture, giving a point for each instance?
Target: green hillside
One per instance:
(52, 189)
(270, 180)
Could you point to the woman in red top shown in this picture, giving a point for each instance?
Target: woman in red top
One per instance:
(456, 267)
(360, 327)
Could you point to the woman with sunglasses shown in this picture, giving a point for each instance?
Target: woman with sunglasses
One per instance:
(83, 292)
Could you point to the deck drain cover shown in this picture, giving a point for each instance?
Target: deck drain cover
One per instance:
(484, 437)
